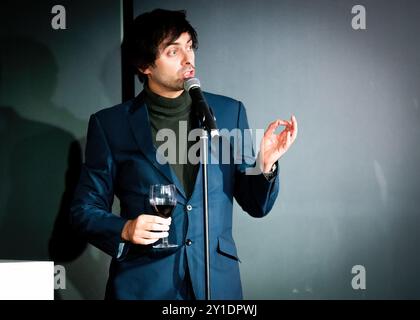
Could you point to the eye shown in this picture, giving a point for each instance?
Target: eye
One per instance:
(172, 52)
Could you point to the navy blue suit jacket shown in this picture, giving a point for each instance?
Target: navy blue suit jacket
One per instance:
(120, 160)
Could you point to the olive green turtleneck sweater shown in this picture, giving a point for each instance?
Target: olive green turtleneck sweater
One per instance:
(167, 113)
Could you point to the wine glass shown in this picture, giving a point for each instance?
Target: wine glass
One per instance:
(162, 198)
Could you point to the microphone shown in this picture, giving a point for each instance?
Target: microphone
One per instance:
(207, 119)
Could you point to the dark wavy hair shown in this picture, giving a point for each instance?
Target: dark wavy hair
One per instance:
(149, 31)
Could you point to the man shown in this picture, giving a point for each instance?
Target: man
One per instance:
(122, 160)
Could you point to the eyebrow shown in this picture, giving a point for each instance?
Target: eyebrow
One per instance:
(175, 43)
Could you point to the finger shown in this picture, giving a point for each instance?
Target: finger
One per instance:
(144, 241)
(271, 128)
(289, 126)
(288, 139)
(152, 235)
(293, 120)
(282, 135)
(274, 125)
(156, 219)
(156, 227)
(284, 122)
(287, 129)
(165, 221)
(295, 128)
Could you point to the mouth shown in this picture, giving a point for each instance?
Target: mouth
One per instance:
(189, 74)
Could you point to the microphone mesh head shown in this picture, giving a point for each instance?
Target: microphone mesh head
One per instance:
(191, 83)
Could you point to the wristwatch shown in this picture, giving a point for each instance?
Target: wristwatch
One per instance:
(272, 173)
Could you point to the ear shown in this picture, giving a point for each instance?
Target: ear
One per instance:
(146, 71)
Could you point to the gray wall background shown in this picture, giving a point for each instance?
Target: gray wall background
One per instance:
(349, 185)
(50, 82)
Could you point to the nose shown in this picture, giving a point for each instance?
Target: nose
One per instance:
(188, 57)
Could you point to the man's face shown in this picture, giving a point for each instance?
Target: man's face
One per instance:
(174, 64)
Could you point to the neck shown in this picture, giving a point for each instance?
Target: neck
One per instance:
(164, 92)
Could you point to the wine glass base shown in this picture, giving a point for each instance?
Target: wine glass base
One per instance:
(165, 246)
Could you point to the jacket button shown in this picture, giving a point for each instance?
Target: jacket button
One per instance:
(189, 207)
(188, 242)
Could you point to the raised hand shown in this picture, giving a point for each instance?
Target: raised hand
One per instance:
(274, 146)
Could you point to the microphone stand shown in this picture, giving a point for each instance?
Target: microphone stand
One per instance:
(208, 126)
(204, 139)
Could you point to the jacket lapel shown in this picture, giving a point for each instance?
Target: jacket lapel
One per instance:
(138, 119)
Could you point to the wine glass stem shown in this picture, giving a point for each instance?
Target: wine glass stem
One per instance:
(165, 241)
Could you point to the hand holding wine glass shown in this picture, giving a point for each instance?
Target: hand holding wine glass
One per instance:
(163, 201)
(146, 228)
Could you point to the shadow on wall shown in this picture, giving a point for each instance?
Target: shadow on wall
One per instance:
(39, 161)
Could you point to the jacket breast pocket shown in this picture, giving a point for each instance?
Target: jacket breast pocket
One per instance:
(227, 248)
